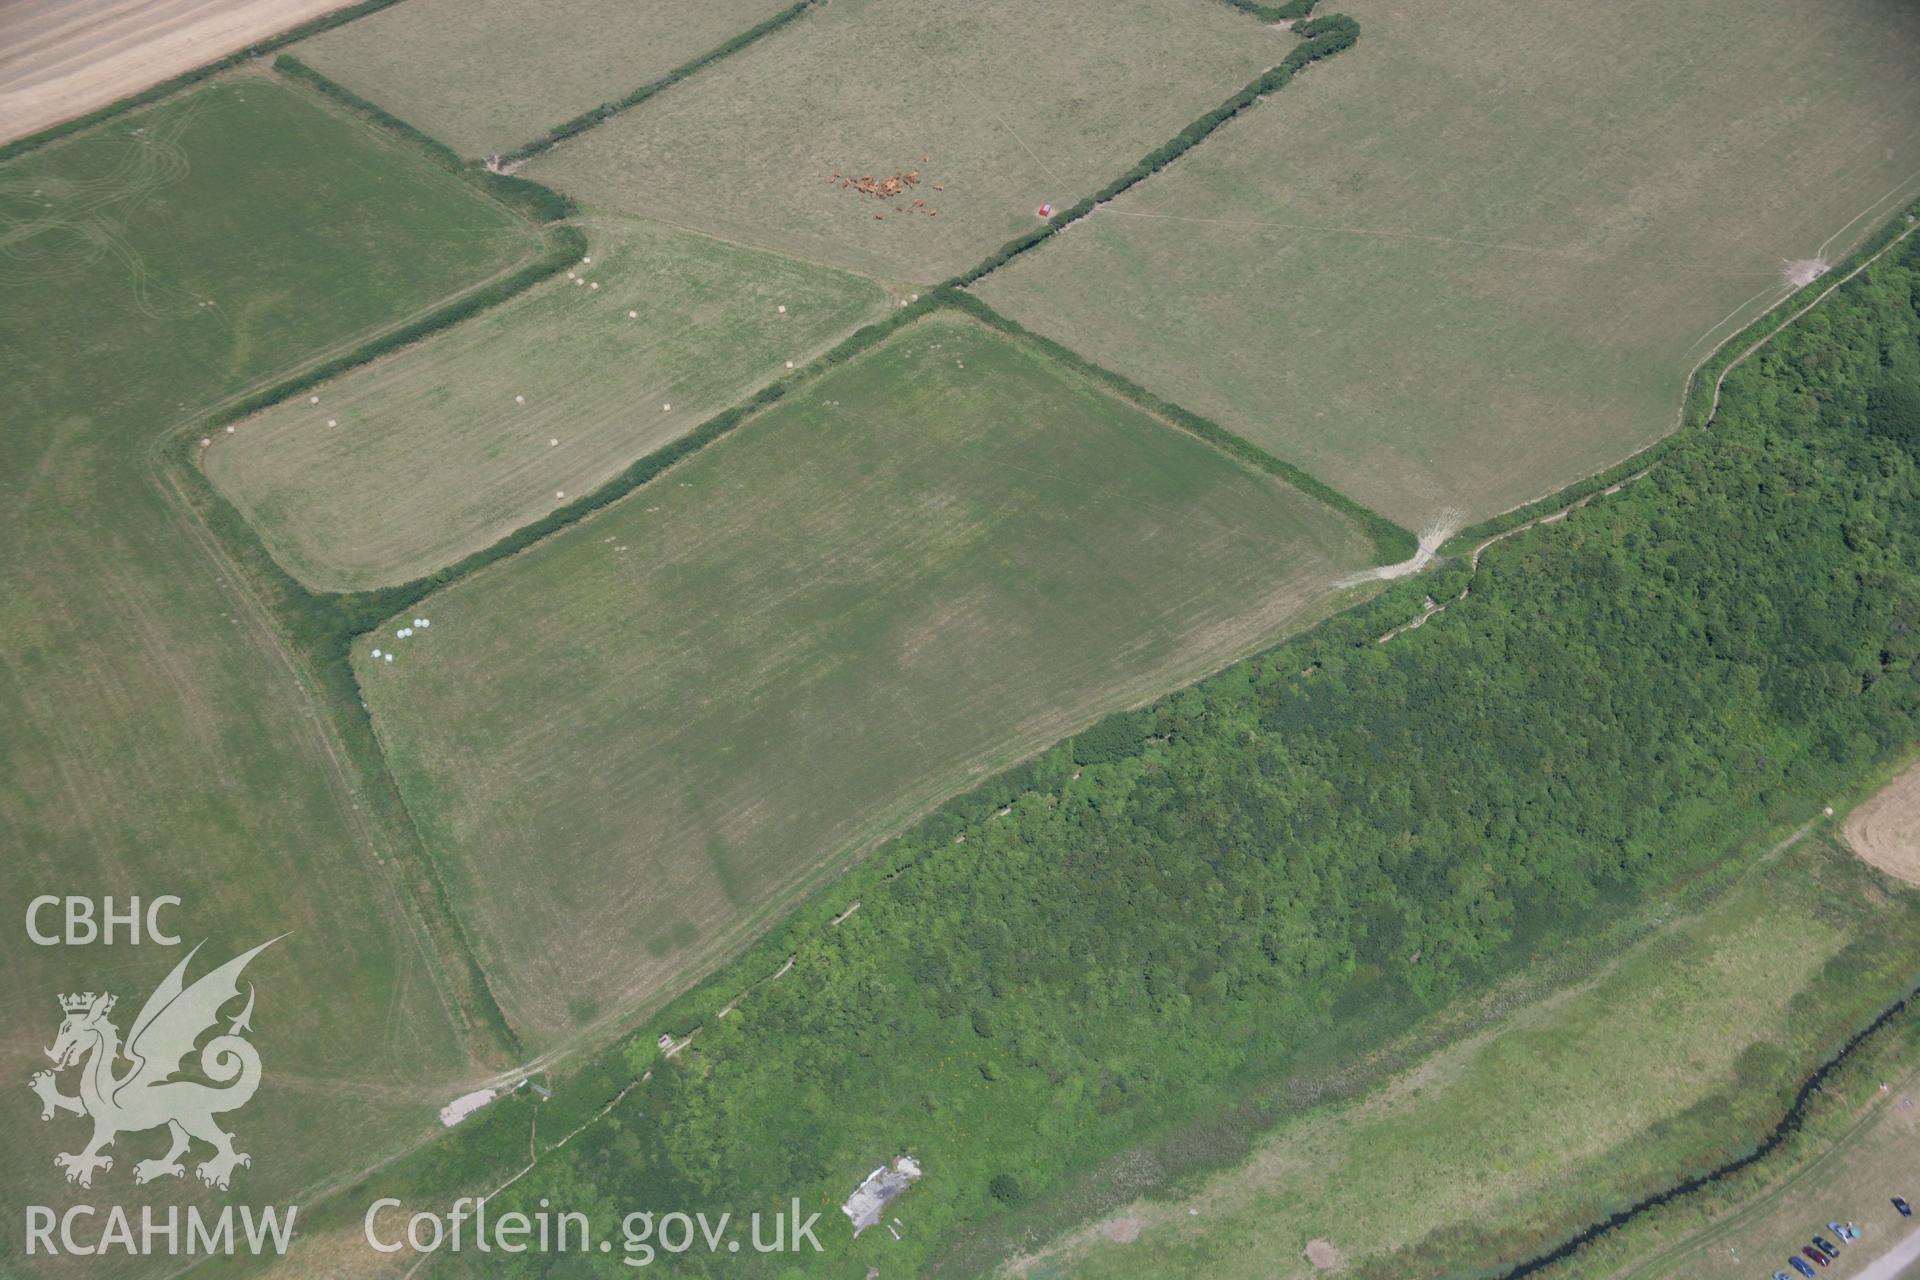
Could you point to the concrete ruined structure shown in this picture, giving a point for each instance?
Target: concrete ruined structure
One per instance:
(881, 1188)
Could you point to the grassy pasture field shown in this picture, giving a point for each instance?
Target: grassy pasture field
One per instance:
(1011, 104)
(1474, 259)
(155, 737)
(1858, 1146)
(444, 446)
(62, 58)
(631, 742)
(1562, 1109)
(1848, 1175)
(485, 76)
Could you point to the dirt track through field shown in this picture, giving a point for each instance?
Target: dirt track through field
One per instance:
(64, 58)
(1886, 829)
(1893, 1265)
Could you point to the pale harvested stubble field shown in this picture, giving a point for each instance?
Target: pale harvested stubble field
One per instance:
(1474, 258)
(1010, 104)
(627, 742)
(1885, 830)
(400, 467)
(64, 58)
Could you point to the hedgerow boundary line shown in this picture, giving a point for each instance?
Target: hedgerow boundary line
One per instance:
(321, 626)
(541, 203)
(1788, 1125)
(773, 953)
(1391, 543)
(169, 87)
(1321, 39)
(1701, 399)
(1291, 11)
(1352, 628)
(607, 110)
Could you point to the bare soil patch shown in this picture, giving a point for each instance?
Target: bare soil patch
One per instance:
(1886, 829)
(1800, 272)
(1124, 1230)
(64, 58)
(1322, 1255)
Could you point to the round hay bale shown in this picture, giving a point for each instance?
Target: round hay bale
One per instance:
(333, 422)
(313, 399)
(519, 399)
(205, 441)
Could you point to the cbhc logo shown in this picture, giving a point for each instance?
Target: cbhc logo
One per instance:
(84, 925)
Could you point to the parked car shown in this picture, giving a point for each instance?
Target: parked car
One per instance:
(1826, 1246)
(1906, 1210)
(1845, 1230)
(1811, 1252)
(1802, 1268)
(1781, 1275)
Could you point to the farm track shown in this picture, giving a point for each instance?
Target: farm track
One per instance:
(1788, 1125)
(546, 1060)
(1553, 517)
(1757, 1207)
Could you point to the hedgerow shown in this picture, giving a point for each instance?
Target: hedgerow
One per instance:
(1391, 543)
(1275, 12)
(261, 49)
(1625, 699)
(606, 110)
(1696, 412)
(565, 244)
(1324, 38)
(541, 203)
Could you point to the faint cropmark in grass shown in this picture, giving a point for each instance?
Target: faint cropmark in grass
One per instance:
(53, 227)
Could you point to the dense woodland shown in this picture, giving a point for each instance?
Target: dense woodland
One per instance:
(1175, 902)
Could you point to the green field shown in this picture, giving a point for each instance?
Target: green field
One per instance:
(1561, 1109)
(1540, 836)
(485, 76)
(445, 446)
(1858, 1150)
(1474, 258)
(156, 737)
(629, 743)
(1001, 103)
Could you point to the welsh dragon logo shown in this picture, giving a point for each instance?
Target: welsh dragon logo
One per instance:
(146, 1095)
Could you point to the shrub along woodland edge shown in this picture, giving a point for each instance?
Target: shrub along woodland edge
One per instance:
(541, 203)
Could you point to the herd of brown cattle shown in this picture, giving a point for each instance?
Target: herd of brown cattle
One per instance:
(889, 189)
